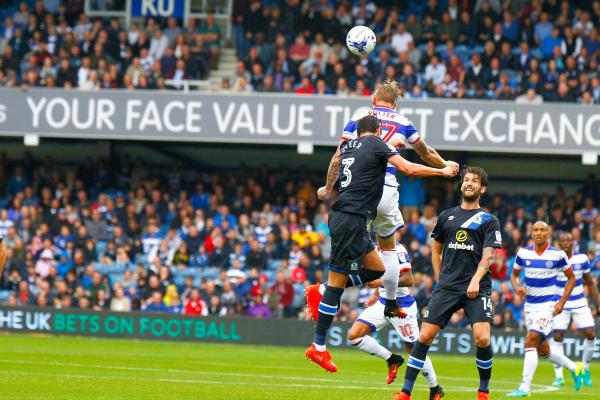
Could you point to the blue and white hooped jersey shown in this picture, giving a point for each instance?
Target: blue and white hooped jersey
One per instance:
(403, 295)
(393, 126)
(581, 266)
(541, 271)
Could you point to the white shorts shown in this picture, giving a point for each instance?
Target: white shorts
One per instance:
(582, 317)
(539, 321)
(389, 218)
(407, 328)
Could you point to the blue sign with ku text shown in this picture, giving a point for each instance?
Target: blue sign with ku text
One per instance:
(157, 8)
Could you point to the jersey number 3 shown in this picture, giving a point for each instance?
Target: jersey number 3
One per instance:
(347, 162)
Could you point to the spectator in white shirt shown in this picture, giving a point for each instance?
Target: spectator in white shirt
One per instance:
(84, 71)
(92, 82)
(435, 71)
(82, 27)
(529, 97)
(400, 39)
(146, 59)
(158, 44)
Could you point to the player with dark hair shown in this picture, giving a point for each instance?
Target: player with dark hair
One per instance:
(464, 240)
(540, 264)
(576, 309)
(362, 169)
(398, 131)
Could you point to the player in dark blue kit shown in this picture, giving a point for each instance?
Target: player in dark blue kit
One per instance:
(464, 240)
(362, 170)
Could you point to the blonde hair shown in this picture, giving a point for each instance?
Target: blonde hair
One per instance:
(387, 91)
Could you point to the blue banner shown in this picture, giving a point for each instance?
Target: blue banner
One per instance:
(157, 8)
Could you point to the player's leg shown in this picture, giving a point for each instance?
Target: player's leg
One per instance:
(484, 357)
(530, 363)
(584, 320)
(372, 268)
(562, 360)
(557, 347)
(560, 323)
(372, 320)
(435, 390)
(442, 305)
(386, 223)
(314, 293)
(345, 251)
(418, 357)
(480, 314)
(327, 309)
(589, 346)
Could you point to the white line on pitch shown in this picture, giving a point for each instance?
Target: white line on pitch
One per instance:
(543, 388)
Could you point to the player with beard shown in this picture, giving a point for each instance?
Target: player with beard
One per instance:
(464, 240)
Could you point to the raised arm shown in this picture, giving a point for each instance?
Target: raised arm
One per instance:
(332, 174)
(428, 154)
(411, 169)
(482, 268)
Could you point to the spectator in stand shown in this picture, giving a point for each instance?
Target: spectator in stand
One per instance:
(284, 291)
(155, 303)
(195, 305)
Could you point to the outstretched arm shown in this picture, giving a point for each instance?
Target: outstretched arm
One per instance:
(428, 154)
(411, 169)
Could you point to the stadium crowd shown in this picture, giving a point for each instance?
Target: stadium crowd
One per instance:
(54, 43)
(529, 51)
(123, 235)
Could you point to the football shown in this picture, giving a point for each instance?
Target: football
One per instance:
(361, 40)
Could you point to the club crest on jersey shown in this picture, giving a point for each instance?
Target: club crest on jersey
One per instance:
(549, 264)
(461, 236)
(354, 266)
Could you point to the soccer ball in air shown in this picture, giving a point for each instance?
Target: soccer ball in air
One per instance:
(361, 40)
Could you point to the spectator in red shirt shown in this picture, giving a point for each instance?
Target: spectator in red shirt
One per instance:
(195, 305)
(499, 268)
(305, 87)
(284, 290)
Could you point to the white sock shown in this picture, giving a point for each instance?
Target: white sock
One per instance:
(588, 352)
(392, 273)
(529, 367)
(369, 344)
(320, 347)
(562, 360)
(557, 348)
(429, 373)
(322, 288)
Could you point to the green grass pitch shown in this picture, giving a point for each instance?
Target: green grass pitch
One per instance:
(49, 368)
